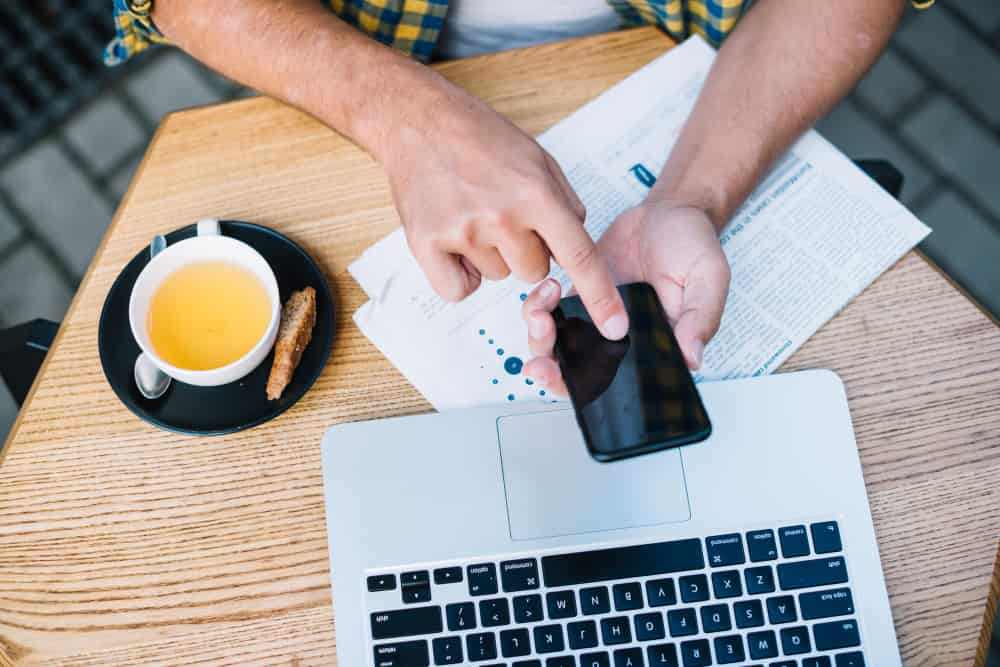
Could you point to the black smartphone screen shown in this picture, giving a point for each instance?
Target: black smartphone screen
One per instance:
(632, 396)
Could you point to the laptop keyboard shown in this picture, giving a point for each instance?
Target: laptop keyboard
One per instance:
(772, 597)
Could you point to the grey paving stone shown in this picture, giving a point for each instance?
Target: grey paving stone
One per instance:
(61, 205)
(170, 84)
(105, 133)
(8, 412)
(30, 287)
(119, 182)
(890, 85)
(959, 146)
(966, 246)
(984, 13)
(943, 46)
(8, 228)
(860, 137)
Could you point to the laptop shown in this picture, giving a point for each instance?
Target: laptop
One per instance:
(489, 536)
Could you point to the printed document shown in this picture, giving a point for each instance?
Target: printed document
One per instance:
(814, 233)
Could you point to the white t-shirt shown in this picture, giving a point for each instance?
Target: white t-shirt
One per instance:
(484, 26)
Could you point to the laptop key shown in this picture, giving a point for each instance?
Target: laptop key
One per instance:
(494, 612)
(725, 550)
(715, 618)
(415, 593)
(560, 661)
(761, 545)
(682, 622)
(762, 645)
(837, 634)
(519, 575)
(794, 541)
(548, 638)
(527, 608)
(561, 604)
(826, 604)
(527, 663)
(629, 657)
(406, 623)
(852, 659)
(694, 588)
(615, 630)
(594, 600)
(402, 654)
(482, 579)
(749, 614)
(727, 584)
(461, 616)
(660, 592)
(381, 582)
(415, 578)
(649, 627)
(812, 573)
(447, 575)
(818, 661)
(599, 659)
(514, 643)
(447, 650)
(759, 579)
(481, 646)
(784, 663)
(582, 634)
(627, 596)
(729, 649)
(632, 562)
(781, 609)
(696, 653)
(795, 640)
(826, 537)
(662, 655)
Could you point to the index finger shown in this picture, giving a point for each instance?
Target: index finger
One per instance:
(576, 253)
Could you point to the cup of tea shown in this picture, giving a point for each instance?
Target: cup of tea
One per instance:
(206, 309)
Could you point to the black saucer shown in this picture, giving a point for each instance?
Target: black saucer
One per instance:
(238, 405)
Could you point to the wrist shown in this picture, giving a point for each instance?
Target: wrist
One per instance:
(704, 198)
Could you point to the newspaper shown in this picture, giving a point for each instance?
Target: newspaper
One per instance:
(812, 235)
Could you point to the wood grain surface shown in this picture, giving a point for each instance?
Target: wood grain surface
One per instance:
(122, 544)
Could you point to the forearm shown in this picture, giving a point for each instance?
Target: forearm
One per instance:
(784, 66)
(299, 52)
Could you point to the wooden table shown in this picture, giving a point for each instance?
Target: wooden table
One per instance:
(122, 544)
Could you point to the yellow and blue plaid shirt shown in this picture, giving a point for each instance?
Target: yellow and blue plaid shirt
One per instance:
(413, 26)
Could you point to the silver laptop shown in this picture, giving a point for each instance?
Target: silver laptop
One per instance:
(491, 537)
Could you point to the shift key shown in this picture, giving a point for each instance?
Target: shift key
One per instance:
(406, 622)
(403, 654)
(811, 573)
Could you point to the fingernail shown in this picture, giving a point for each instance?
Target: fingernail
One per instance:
(547, 289)
(535, 327)
(697, 351)
(616, 326)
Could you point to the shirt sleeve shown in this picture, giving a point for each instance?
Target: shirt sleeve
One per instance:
(134, 31)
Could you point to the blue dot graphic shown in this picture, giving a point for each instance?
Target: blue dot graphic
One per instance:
(529, 381)
(513, 365)
(496, 381)
(523, 296)
(500, 351)
(482, 331)
(490, 341)
(541, 393)
(510, 397)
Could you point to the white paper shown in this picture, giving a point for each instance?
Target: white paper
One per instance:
(813, 234)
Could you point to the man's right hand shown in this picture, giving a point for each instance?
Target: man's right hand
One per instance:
(479, 198)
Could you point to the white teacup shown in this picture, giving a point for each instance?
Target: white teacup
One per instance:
(208, 245)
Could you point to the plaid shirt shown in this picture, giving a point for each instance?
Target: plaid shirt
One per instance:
(413, 26)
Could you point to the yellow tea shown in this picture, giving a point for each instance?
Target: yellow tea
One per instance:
(207, 314)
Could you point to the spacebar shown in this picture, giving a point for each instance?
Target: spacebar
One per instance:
(641, 560)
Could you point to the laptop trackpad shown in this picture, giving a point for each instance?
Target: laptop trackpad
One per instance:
(554, 487)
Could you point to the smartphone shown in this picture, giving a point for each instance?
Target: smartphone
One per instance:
(632, 396)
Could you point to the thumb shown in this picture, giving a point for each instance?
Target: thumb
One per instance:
(700, 312)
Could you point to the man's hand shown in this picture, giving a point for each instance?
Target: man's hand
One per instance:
(673, 248)
(479, 198)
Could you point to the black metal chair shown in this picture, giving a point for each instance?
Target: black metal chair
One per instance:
(23, 348)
